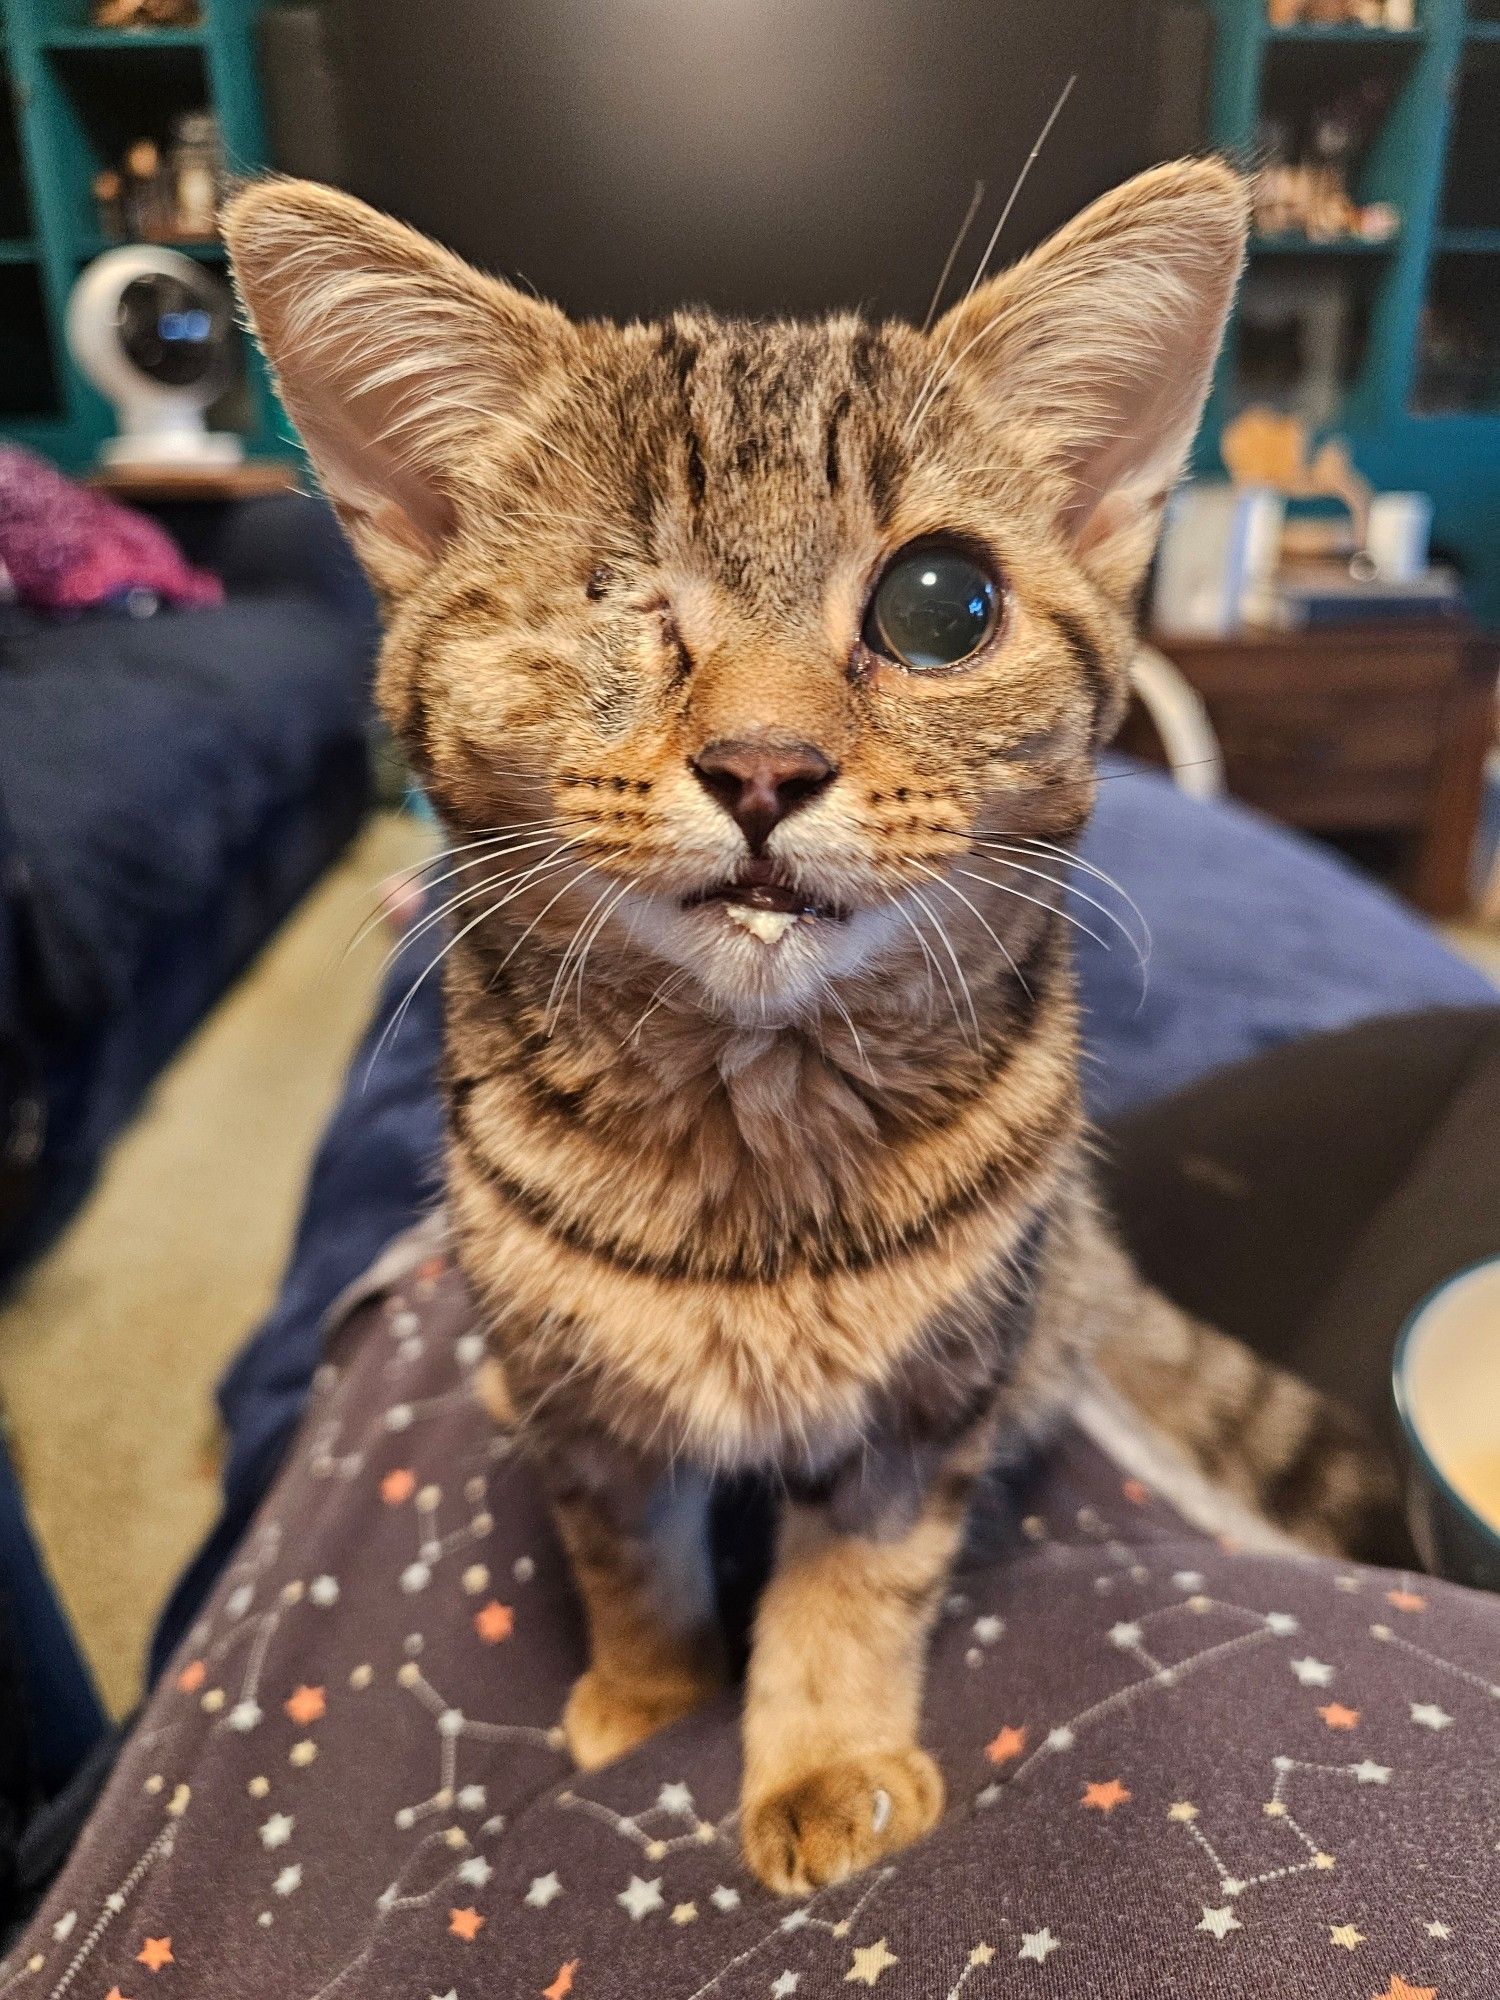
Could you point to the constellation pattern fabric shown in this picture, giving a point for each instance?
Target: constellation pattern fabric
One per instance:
(1172, 1767)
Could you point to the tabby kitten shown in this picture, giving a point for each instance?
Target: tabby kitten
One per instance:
(757, 673)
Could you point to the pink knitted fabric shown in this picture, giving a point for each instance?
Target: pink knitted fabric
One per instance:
(67, 548)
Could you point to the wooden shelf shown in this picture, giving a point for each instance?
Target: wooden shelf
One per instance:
(1290, 243)
(207, 249)
(123, 38)
(248, 480)
(1474, 242)
(1395, 38)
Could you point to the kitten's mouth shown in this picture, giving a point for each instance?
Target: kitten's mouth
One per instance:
(763, 902)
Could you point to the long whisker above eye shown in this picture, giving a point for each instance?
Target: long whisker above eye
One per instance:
(934, 381)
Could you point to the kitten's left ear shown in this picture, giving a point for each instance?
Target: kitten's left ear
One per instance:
(1101, 344)
(393, 357)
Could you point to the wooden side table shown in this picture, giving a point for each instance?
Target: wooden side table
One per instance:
(1355, 729)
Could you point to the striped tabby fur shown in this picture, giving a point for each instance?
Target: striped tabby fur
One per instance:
(819, 1205)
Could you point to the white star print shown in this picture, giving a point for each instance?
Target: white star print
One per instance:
(416, 1576)
(785, 1986)
(1281, 1623)
(1368, 1773)
(244, 1716)
(675, 1799)
(277, 1830)
(725, 1899)
(1125, 1634)
(475, 1872)
(289, 1880)
(1037, 1944)
(472, 1798)
(795, 1920)
(640, 1898)
(324, 1590)
(1060, 1739)
(1438, 1929)
(1429, 1715)
(62, 1930)
(1312, 1673)
(1219, 1923)
(987, 1630)
(1188, 1579)
(544, 1890)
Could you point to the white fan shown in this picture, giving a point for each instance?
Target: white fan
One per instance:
(155, 332)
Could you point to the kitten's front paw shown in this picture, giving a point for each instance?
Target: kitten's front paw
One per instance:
(603, 1720)
(837, 1820)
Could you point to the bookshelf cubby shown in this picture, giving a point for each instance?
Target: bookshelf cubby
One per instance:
(74, 96)
(1406, 331)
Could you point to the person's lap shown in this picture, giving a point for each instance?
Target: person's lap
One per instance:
(1170, 1765)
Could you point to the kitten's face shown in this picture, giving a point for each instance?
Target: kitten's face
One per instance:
(767, 622)
(689, 628)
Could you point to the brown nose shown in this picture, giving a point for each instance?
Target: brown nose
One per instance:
(760, 783)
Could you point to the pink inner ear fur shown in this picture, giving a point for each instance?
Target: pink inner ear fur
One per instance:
(391, 354)
(1102, 342)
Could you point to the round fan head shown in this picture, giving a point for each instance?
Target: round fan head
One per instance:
(155, 332)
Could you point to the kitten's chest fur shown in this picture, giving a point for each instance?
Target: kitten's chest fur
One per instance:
(751, 1245)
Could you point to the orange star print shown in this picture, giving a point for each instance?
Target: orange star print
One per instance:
(562, 1986)
(1406, 1600)
(398, 1486)
(1009, 1743)
(305, 1705)
(155, 1953)
(114, 1993)
(1399, 1990)
(192, 1677)
(494, 1622)
(1337, 1716)
(465, 1924)
(1104, 1798)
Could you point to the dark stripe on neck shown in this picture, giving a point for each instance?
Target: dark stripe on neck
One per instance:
(825, 1250)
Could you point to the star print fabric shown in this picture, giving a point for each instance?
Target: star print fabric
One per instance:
(1171, 1767)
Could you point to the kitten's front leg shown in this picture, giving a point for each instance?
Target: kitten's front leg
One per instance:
(834, 1777)
(640, 1557)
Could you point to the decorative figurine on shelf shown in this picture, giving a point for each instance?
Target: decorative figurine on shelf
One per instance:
(1398, 16)
(157, 198)
(1302, 188)
(194, 172)
(146, 13)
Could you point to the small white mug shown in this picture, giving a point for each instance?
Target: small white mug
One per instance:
(1399, 536)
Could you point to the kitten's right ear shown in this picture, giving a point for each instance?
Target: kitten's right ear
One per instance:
(392, 356)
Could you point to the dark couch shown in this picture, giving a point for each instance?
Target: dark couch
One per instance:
(169, 788)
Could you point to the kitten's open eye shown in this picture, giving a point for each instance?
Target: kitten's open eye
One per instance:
(933, 607)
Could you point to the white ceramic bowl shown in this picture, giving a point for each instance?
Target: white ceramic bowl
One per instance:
(1447, 1381)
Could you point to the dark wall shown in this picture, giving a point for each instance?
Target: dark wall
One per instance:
(627, 155)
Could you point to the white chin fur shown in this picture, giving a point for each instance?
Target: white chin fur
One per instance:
(750, 977)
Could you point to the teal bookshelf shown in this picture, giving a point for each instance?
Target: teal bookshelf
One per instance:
(1417, 387)
(72, 96)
